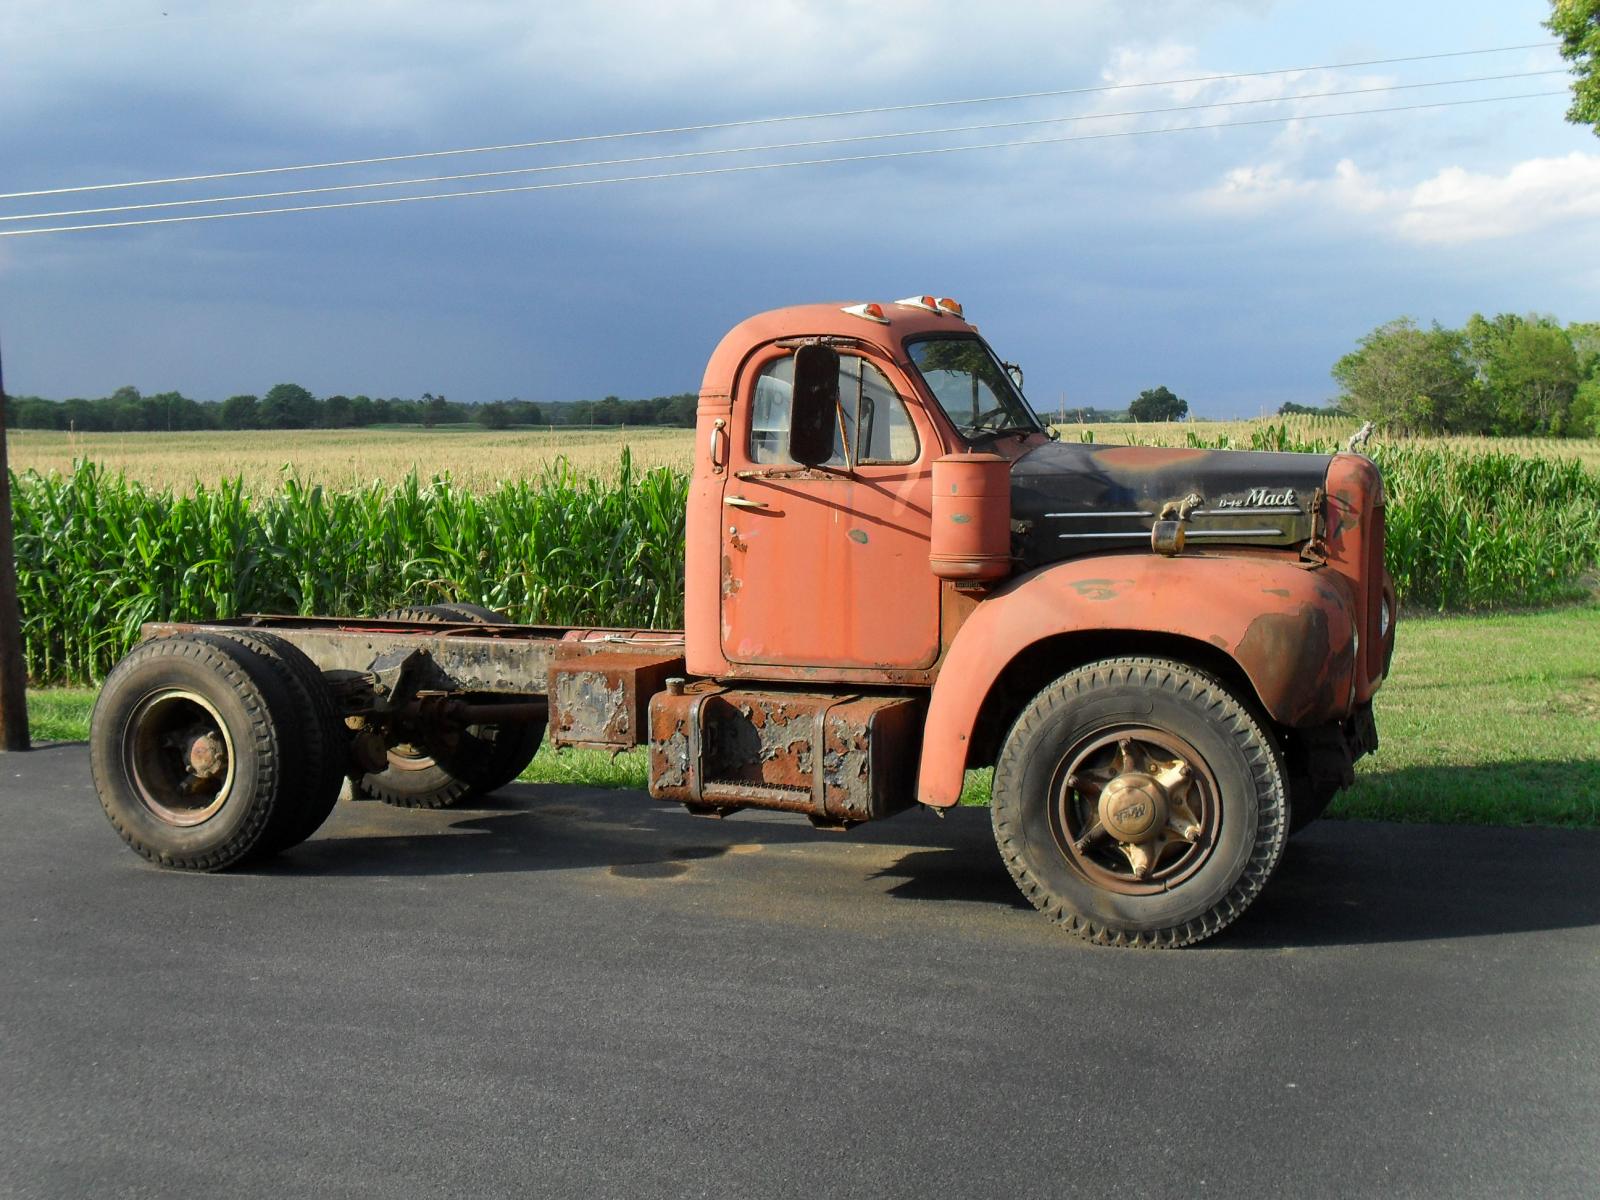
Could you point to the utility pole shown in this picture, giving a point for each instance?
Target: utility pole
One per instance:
(13, 666)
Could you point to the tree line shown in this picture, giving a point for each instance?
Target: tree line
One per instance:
(290, 406)
(1507, 374)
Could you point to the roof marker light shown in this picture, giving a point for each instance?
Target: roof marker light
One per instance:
(950, 306)
(872, 312)
(926, 303)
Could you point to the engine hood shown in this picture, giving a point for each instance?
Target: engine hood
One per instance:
(1069, 499)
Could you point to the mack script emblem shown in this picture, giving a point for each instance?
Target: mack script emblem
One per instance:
(1261, 498)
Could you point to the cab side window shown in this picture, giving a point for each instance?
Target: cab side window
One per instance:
(872, 427)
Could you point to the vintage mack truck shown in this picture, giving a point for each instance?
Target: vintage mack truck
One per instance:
(896, 573)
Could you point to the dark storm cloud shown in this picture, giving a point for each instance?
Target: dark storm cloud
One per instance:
(1233, 266)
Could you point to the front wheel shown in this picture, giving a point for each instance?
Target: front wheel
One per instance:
(1138, 802)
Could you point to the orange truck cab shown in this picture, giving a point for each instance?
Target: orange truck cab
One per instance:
(896, 574)
(937, 542)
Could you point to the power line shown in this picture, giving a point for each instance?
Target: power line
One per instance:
(731, 150)
(745, 123)
(749, 167)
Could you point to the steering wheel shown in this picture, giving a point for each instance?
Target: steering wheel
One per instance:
(981, 423)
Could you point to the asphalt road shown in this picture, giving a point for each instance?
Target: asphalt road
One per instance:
(583, 993)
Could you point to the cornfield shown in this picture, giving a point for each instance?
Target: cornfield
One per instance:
(98, 554)
(1473, 530)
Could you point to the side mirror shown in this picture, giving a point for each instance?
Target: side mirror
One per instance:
(815, 406)
(1015, 372)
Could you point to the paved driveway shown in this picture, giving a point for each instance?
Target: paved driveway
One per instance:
(583, 993)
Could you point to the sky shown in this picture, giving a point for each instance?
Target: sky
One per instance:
(1233, 265)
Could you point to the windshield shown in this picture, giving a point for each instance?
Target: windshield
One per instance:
(975, 391)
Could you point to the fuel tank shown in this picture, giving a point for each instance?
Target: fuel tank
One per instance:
(1069, 499)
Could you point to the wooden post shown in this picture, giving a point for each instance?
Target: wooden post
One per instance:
(13, 665)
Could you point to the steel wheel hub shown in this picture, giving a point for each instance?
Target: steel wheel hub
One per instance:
(1136, 809)
(1133, 807)
(179, 756)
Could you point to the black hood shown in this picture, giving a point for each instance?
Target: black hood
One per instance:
(1071, 498)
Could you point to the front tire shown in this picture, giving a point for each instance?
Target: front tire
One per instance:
(1138, 802)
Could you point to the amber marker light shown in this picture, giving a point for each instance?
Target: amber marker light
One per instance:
(872, 312)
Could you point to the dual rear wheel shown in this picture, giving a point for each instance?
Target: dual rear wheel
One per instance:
(224, 746)
(212, 749)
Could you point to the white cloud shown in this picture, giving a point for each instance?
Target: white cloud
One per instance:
(1457, 205)
(1452, 207)
(1264, 186)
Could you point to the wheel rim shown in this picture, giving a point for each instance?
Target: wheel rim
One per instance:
(415, 756)
(408, 757)
(177, 751)
(1134, 809)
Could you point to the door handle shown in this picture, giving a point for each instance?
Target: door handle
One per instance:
(741, 502)
(719, 440)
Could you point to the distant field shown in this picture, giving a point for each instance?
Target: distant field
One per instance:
(479, 460)
(344, 458)
(1173, 433)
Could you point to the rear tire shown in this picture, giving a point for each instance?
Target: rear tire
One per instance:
(193, 749)
(1139, 803)
(325, 738)
(483, 759)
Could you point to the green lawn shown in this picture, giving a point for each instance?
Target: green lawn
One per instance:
(1484, 720)
(59, 714)
(1488, 720)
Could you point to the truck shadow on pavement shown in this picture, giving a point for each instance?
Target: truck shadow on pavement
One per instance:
(1344, 882)
(1341, 882)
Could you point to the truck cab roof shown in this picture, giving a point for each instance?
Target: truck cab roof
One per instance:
(899, 321)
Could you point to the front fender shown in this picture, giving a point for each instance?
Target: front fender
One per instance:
(1290, 629)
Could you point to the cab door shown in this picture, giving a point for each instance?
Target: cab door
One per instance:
(827, 566)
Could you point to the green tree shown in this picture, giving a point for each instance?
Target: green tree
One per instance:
(682, 409)
(1577, 24)
(174, 410)
(495, 415)
(336, 412)
(31, 412)
(399, 412)
(288, 406)
(609, 411)
(1158, 404)
(1527, 369)
(1412, 379)
(241, 412)
(124, 409)
(1585, 337)
(433, 409)
(1583, 418)
(84, 415)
